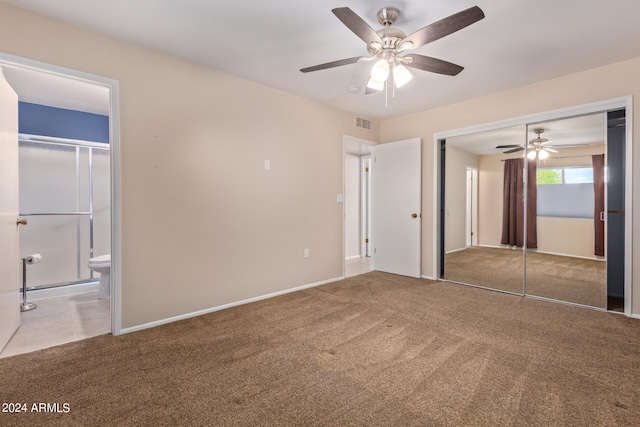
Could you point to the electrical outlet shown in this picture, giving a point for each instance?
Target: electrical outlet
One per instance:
(306, 252)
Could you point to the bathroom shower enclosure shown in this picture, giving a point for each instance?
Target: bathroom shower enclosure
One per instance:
(64, 188)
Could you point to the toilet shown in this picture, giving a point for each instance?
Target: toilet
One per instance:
(102, 265)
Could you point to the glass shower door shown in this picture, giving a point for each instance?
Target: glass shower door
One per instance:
(56, 187)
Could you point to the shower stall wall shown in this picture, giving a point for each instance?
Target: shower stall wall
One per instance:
(65, 197)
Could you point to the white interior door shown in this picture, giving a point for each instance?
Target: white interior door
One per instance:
(9, 251)
(396, 205)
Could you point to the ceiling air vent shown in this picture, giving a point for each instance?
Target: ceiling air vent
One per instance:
(363, 123)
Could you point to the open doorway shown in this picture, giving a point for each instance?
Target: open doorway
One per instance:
(63, 285)
(357, 206)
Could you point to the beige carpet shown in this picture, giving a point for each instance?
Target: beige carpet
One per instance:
(372, 350)
(576, 280)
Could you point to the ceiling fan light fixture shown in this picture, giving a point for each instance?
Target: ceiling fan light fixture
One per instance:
(531, 155)
(380, 71)
(543, 154)
(375, 85)
(401, 75)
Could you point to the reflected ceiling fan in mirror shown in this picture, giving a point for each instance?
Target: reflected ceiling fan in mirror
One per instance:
(389, 46)
(537, 147)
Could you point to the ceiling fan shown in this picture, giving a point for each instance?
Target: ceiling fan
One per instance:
(537, 147)
(388, 45)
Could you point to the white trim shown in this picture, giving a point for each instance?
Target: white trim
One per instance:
(62, 141)
(225, 306)
(429, 278)
(456, 250)
(114, 143)
(354, 257)
(625, 102)
(345, 140)
(514, 248)
(38, 294)
(567, 255)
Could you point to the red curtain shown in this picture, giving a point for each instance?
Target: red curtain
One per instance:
(513, 204)
(598, 209)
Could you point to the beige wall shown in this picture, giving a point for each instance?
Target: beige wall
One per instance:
(604, 83)
(352, 211)
(456, 197)
(568, 236)
(203, 224)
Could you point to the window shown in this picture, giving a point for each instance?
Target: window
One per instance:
(565, 175)
(565, 192)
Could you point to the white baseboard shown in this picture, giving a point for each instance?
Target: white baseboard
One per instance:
(543, 252)
(455, 250)
(224, 306)
(60, 291)
(353, 257)
(428, 277)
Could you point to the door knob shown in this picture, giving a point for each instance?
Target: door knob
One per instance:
(414, 215)
(21, 221)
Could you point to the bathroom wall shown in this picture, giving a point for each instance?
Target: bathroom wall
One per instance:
(38, 119)
(203, 224)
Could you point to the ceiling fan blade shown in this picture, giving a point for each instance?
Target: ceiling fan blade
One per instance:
(444, 27)
(515, 150)
(356, 24)
(508, 146)
(331, 64)
(369, 91)
(550, 149)
(434, 65)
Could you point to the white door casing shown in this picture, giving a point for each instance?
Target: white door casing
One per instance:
(9, 243)
(396, 205)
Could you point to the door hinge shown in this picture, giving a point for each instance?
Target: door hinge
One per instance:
(366, 240)
(366, 169)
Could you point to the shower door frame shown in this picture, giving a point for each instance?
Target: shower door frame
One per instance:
(114, 143)
(77, 144)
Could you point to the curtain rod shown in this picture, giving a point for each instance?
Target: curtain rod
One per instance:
(558, 157)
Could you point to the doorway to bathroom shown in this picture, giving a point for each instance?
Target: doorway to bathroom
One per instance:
(67, 133)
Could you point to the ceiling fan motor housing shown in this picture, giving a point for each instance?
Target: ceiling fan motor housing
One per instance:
(387, 16)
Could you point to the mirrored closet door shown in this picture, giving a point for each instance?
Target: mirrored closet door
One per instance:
(568, 262)
(524, 210)
(473, 211)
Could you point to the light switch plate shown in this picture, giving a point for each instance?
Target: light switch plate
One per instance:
(340, 198)
(267, 165)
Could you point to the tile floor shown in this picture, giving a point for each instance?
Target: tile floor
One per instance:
(60, 320)
(356, 266)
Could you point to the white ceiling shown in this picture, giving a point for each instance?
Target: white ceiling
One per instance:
(55, 91)
(574, 131)
(518, 43)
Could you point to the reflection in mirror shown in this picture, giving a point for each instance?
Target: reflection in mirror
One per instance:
(569, 261)
(473, 210)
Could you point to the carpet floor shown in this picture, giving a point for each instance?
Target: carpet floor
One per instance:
(563, 278)
(372, 350)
